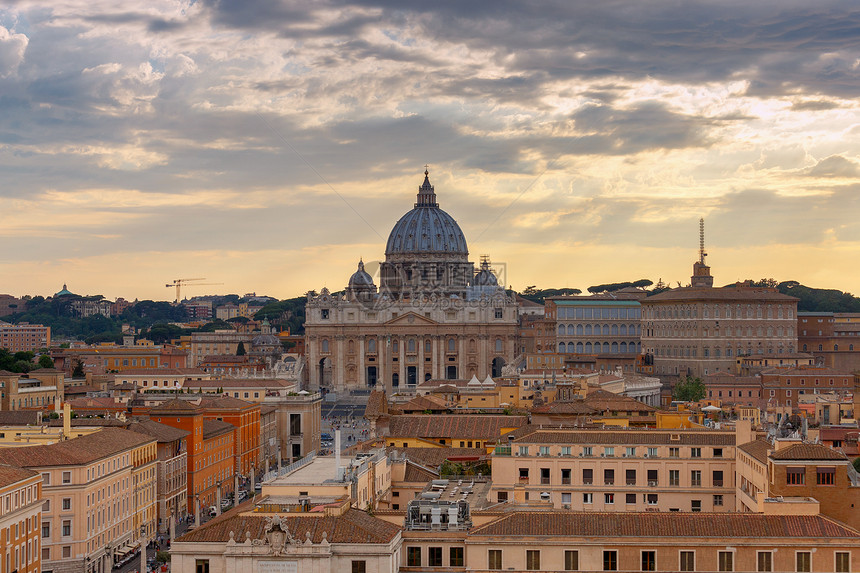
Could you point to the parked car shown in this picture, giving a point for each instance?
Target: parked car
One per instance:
(325, 436)
(213, 511)
(258, 486)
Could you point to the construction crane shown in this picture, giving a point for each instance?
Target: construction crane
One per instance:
(178, 283)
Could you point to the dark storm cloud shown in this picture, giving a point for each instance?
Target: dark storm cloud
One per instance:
(777, 47)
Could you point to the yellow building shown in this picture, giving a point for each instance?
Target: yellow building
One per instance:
(89, 496)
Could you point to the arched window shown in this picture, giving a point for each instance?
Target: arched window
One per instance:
(561, 329)
(410, 345)
(614, 348)
(606, 347)
(498, 345)
(614, 330)
(452, 345)
(835, 347)
(579, 348)
(324, 345)
(579, 329)
(428, 347)
(561, 347)
(570, 330)
(623, 330)
(395, 379)
(588, 348)
(587, 330)
(623, 347)
(570, 347)
(605, 330)
(371, 345)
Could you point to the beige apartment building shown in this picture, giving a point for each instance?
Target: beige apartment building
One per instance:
(162, 378)
(24, 337)
(96, 491)
(20, 520)
(701, 330)
(616, 470)
(249, 389)
(669, 542)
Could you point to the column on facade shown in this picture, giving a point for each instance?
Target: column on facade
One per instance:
(218, 500)
(381, 357)
(313, 362)
(420, 366)
(236, 489)
(401, 359)
(362, 371)
(485, 342)
(434, 358)
(461, 357)
(339, 368)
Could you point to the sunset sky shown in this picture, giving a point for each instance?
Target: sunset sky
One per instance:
(268, 145)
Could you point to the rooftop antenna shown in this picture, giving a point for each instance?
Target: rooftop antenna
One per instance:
(702, 253)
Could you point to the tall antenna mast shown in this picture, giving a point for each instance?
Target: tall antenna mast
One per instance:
(702, 253)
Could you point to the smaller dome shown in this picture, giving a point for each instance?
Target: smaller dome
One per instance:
(360, 279)
(64, 292)
(485, 276)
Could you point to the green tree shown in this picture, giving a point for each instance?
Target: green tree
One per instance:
(689, 390)
(78, 371)
(46, 361)
(240, 350)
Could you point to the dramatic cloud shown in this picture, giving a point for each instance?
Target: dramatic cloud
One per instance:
(271, 143)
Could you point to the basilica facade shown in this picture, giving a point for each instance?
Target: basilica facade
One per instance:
(433, 315)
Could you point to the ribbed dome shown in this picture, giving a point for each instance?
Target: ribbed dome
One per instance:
(426, 228)
(485, 276)
(360, 278)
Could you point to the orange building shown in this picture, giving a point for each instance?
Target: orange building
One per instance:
(210, 449)
(245, 416)
(20, 520)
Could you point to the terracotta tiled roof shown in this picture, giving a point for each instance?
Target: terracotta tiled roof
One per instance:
(19, 417)
(14, 474)
(212, 428)
(7, 373)
(240, 383)
(636, 437)
(603, 401)
(82, 450)
(354, 526)
(732, 292)
(421, 403)
(808, 452)
(175, 406)
(467, 426)
(435, 457)
(573, 407)
(161, 432)
(267, 409)
(95, 403)
(161, 372)
(225, 403)
(417, 473)
(376, 404)
(757, 449)
(664, 525)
